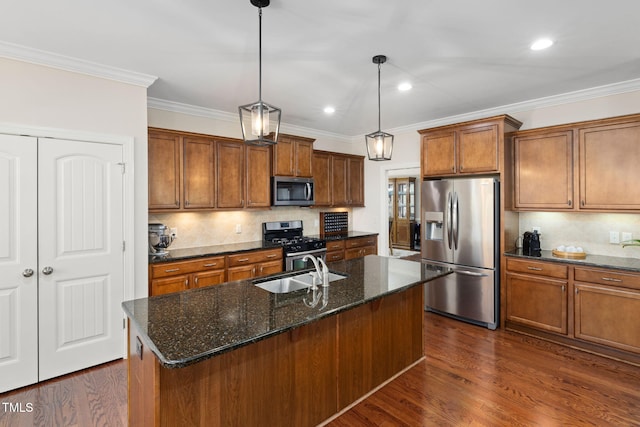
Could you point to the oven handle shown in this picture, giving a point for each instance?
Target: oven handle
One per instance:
(312, 252)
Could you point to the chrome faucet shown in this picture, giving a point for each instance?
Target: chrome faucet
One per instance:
(322, 273)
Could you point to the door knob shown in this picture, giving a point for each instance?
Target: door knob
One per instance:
(47, 270)
(27, 272)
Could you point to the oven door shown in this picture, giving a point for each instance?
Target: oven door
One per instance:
(294, 261)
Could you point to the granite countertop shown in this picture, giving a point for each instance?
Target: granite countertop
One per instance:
(231, 248)
(619, 263)
(194, 325)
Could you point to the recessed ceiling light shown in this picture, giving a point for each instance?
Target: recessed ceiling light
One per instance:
(541, 44)
(404, 86)
(329, 110)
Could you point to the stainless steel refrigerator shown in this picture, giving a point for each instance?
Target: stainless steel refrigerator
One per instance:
(460, 220)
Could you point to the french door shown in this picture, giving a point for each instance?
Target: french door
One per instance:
(61, 270)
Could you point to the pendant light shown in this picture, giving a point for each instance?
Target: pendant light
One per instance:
(260, 121)
(379, 144)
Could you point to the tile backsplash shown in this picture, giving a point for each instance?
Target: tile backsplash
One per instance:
(219, 227)
(588, 230)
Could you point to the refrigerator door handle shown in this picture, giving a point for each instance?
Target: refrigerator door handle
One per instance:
(455, 216)
(470, 273)
(449, 215)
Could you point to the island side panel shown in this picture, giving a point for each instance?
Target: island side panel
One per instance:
(143, 382)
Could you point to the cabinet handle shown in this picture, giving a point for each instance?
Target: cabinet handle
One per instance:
(186, 283)
(172, 270)
(272, 256)
(611, 279)
(261, 270)
(582, 202)
(243, 260)
(569, 202)
(195, 281)
(186, 203)
(534, 268)
(577, 291)
(213, 264)
(177, 203)
(563, 288)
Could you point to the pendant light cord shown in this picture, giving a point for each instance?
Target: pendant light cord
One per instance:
(260, 59)
(379, 126)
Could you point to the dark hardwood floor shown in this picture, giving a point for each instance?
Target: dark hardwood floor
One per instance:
(471, 377)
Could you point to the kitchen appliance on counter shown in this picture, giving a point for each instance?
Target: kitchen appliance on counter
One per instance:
(160, 239)
(460, 220)
(531, 243)
(289, 235)
(290, 191)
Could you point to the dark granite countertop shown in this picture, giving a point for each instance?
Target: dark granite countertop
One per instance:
(194, 325)
(619, 263)
(231, 248)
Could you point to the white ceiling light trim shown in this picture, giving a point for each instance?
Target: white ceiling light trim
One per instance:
(541, 44)
(67, 63)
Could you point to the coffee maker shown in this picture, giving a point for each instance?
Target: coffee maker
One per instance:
(531, 243)
(159, 239)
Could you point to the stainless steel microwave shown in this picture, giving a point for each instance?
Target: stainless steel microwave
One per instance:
(290, 191)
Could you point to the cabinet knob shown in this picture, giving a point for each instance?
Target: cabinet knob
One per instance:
(186, 203)
(569, 202)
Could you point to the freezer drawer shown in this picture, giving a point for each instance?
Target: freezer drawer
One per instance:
(468, 294)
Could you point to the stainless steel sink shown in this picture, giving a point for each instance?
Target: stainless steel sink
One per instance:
(294, 283)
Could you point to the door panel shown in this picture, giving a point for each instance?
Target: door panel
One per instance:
(81, 237)
(18, 252)
(436, 243)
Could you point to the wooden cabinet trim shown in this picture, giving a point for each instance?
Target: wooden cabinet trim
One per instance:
(607, 277)
(538, 268)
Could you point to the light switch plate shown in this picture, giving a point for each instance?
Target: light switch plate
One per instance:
(626, 236)
(614, 237)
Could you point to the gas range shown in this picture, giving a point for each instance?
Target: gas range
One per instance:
(295, 246)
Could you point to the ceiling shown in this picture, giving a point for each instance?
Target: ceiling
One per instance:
(460, 56)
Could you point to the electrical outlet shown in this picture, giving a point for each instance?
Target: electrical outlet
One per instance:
(536, 229)
(614, 237)
(626, 236)
(174, 232)
(238, 228)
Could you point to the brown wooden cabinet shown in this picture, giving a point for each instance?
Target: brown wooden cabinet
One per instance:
(182, 275)
(544, 173)
(252, 264)
(190, 171)
(292, 156)
(537, 294)
(474, 147)
(358, 247)
(607, 303)
(335, 250)
(165, 170)
(338, 179)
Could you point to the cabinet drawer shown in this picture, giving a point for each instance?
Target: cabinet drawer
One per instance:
(169, 269)
(255, 257)
(607, 277)
(360, 241)
(335, 245)
(538, 268)
(335, 256)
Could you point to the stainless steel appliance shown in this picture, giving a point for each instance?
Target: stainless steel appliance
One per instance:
(289, 235)
(290, 191)
(159, 239)
(460, 219)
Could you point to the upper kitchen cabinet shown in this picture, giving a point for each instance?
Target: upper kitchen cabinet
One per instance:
(544, 175)
(609, 153)
(165, 170)
(474, 147)
(292, 156)
(338, 179)
(586, 166)
(189, 171)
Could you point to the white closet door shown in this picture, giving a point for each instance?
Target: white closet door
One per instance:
(81, 255)
(18, 255)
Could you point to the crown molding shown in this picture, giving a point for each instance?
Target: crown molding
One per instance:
(548, 101)
(67, 63)
(210, 113)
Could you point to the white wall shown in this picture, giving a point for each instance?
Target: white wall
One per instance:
(39, 96)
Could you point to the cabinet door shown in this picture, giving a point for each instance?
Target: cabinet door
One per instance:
(439, 154)
(241, 272)
(321, 178)
(258, 177)
(355, 167)
(544, 170)
(478, 149)
(608, 315)
(199, 172)
(537, 302)
(208, 278)
(164, 171)
(283, 160)
(267, 268)
(304, 159)
(168, 285)
(609, 172)
(230, 174)
(339, 180)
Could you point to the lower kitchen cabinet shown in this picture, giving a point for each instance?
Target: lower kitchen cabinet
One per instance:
(595, 309)
(335, 250)
(358, 247)
(178, 276)
(248, 265)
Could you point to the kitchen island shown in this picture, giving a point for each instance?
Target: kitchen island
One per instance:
(235, 354)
